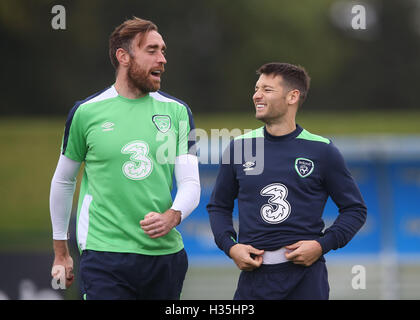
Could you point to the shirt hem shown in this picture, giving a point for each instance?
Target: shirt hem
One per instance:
(137, 251)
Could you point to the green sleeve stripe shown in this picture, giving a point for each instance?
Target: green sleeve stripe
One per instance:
(257, 133)
(305, 135)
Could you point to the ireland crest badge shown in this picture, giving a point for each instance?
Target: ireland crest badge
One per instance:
(304, 167)
(162, 122)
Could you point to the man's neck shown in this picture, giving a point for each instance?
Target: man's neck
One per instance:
(125, 89)
(281, 127)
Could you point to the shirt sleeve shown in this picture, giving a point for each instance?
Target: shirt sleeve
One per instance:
(74, 141)
(186, 133)
(346, 195)
(221, 203)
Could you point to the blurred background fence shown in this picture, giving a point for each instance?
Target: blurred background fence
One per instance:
(364, 95)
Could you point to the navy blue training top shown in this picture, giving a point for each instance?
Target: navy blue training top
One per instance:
(282, 184)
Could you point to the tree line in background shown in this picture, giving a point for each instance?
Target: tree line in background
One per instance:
(214, 48)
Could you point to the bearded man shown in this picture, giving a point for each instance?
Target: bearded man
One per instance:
(132, 139)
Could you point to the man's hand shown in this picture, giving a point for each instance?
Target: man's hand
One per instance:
(157, 224)
(305, 252)
(241, 254)
(62, 268)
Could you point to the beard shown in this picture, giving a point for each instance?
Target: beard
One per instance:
(267, 117)
(139, 78)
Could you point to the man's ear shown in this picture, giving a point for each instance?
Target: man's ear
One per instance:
(123, 57)
(293, 96)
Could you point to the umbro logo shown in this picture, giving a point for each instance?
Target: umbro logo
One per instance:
(249, 165)
(108, 126)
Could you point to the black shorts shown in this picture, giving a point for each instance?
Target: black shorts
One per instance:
(130, 276)
(284, 281)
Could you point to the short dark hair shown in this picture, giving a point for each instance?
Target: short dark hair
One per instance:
(122, 36)
(295, 77)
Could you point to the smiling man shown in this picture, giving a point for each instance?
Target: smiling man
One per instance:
(126, 219)
(281, 240)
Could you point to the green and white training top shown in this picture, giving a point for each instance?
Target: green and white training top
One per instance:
(129, 148)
